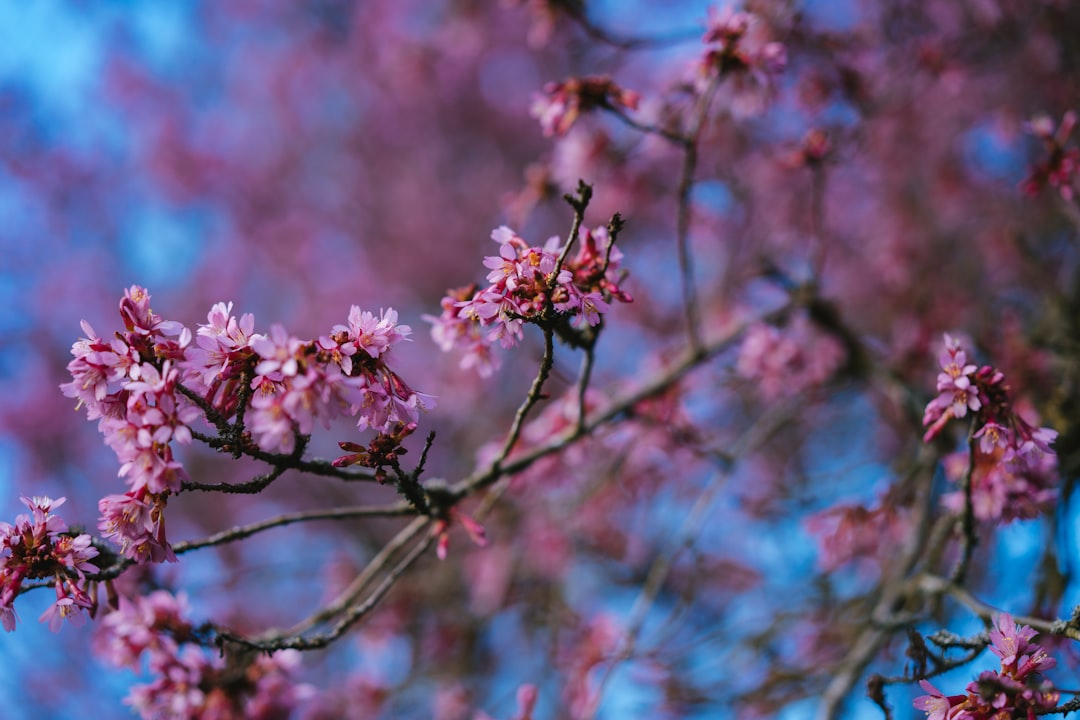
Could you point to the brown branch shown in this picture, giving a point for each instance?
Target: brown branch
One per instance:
(968, 528)
(245, 531)
(683, 216)
(345, 600)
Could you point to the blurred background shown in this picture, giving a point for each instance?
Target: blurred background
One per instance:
(296, 158)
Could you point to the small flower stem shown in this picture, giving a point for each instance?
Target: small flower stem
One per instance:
(674, 137)
(580, 203)
(535, 393)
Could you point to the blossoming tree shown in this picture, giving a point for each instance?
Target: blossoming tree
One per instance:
(671, 445)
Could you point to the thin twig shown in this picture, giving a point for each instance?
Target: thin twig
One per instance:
(969, 536)
(580, 203)
(649, 129)
(619, 406)
(683, 217)
(245, 531)
(535, 393)
(934, 585)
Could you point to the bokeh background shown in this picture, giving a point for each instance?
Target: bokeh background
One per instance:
(296, 158)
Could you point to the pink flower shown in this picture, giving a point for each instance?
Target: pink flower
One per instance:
(523, 286)
(740, 51)
(136, 525)
(270, 424)
(375, 336)
(191, 683)
(504, 268)
(221, 346)
(937, 705)
(140, 319)
(851, 532)
(37, 546)
(75, 553)
(97, 371)
(66, 607)
(992, 436)
(785, 361)
(592, 305)
(278, 352)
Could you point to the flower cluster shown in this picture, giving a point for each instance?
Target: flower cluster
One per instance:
(527, 285)
(130, 384)
(1012, 466)
(1061, 165)
(190, 682)
(37, 546)
(222, 352)
(1016, 690)
(738, 49)
(346, 372)
(138, 386)
(562, 103)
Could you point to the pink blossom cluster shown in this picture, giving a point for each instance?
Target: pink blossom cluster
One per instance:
(129, 384)
(37, 546)
(563, 103)
(527, 285)
(739, 49)
(1013, 467)
(784, 361)
(222, 352)
(1060, 168)
(1016, 690)
(190, 682)
(134, 383)
(346, 372)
